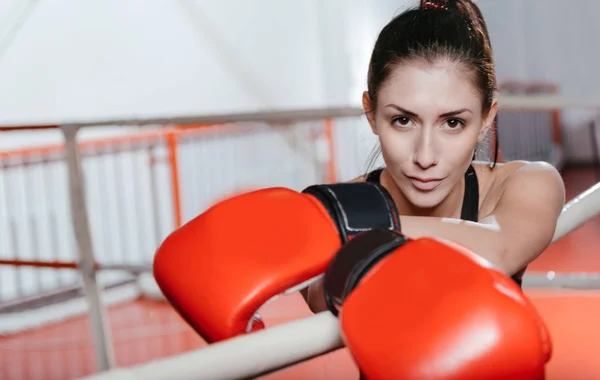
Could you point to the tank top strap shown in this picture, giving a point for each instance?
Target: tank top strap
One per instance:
(374, 176)
(470, 206)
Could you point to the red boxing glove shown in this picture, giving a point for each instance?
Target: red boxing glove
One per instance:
(218, 269)
(432, 310)
(221, 267)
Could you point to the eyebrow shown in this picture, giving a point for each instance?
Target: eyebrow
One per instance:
(447, 114)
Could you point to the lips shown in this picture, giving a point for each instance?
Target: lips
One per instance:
(425, 184)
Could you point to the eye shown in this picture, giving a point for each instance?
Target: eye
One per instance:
(402, 121)
(454, 124)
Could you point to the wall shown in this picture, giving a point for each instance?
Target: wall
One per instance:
(109, 58)
(551, 41)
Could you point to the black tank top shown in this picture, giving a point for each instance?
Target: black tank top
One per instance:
(470, 205)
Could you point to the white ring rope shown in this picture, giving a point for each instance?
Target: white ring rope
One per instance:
(280, 346)
(565, 281)
(577, 211)
(245, 357)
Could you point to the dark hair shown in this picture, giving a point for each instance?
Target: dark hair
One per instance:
(451, 30)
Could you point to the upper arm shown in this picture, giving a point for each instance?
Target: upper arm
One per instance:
(527, 211)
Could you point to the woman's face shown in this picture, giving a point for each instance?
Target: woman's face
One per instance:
(428, 119)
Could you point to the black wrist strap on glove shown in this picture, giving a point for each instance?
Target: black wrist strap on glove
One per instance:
(357, 207)
(354, 260)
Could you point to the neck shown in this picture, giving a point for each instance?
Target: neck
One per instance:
(450, 207)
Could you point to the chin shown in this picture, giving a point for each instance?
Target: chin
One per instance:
(425, 200)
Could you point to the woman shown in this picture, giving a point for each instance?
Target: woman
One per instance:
(431, 100)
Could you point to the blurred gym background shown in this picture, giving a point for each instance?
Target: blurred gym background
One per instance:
(183, 102)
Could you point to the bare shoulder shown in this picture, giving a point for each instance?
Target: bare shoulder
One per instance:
(538, 174)
(522, 181)
(537, 180)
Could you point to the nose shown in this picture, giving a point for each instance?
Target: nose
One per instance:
(425, 152)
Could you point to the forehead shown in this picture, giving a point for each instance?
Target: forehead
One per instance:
(430, 87)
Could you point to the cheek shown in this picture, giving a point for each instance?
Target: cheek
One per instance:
(458, 152)
(461, 146)
(396, 147)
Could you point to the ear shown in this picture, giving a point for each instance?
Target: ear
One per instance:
(369, 111)
(488, 123)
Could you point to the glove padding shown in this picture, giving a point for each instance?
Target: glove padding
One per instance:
(221, 267)
(433, 310)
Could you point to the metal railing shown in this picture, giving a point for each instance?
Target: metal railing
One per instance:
(138, 189)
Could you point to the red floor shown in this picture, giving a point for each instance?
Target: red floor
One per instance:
(145, 330)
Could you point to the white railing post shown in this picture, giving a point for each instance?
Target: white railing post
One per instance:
(83, 237)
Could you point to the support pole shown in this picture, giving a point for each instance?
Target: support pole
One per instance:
(83, 237)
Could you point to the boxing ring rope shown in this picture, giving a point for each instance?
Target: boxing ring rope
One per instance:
(576, 212)
(295, 333)
(303, 339)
